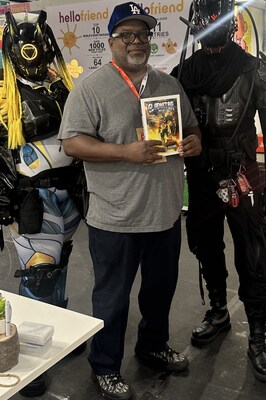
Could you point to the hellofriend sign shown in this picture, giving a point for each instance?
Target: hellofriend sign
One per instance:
(82, 35)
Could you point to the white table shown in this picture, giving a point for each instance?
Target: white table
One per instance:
(70, 330)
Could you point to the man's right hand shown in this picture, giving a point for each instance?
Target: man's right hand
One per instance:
(141, 152)
(87, 148)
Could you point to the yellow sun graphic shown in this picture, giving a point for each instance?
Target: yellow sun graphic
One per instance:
(69, 39)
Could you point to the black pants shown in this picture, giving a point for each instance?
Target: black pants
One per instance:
(116, 258)
(205, 228)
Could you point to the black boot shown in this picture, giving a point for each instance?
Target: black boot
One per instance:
(257, 349)
(216, 320)
(79, 350)
(35, 388)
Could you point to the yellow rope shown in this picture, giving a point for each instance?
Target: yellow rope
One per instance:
(10, 106)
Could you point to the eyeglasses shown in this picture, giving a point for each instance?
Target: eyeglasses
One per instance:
(130, 37)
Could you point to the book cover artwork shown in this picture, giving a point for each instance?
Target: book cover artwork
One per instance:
(161, 118)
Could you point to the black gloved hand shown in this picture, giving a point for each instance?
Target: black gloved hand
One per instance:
(5, 211)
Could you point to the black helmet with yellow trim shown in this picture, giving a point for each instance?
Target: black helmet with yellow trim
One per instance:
(29, 45)
(28, 49)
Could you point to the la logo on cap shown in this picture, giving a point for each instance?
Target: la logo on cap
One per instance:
(134, 9)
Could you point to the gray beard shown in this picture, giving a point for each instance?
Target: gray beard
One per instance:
(137, 60)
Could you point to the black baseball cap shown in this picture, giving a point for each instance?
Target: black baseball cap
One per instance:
(127, 11)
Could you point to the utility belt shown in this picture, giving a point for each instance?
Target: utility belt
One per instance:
(228, 160)
(30, 212)
(41, 279)
(245, 142)
(60, 178)
(28, 205)
(228, 154)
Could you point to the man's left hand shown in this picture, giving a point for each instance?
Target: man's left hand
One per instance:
(190, 146)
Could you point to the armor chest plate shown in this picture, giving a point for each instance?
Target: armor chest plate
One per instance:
(219, 114)
(42, 110)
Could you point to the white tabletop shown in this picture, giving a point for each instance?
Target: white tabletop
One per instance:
(70, 330)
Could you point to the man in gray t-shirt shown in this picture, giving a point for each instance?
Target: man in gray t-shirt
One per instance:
(135, 197)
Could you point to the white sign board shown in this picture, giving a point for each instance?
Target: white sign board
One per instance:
(82, 35)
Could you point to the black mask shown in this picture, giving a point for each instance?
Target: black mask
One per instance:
(214, 22)
(29, 45)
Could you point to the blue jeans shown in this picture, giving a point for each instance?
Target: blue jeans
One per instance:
(116, 258)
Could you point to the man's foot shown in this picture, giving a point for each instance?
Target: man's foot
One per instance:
(113, 386)
(35, 388)
(215, 321)
(168, 359)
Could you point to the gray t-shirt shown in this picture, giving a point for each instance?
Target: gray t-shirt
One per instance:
(126, 197)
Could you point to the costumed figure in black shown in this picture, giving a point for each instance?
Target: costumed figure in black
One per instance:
(35, 175)
(226, 87)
